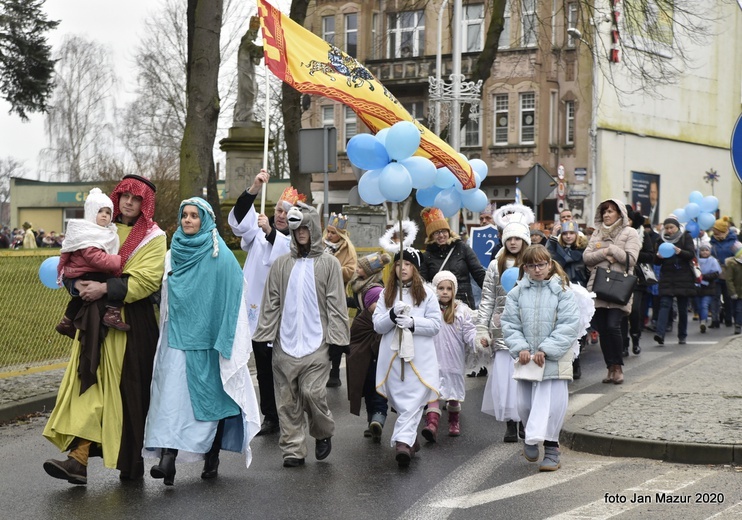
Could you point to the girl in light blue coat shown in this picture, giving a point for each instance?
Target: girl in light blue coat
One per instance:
(540, 323)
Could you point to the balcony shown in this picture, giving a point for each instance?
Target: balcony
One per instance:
(399, 74)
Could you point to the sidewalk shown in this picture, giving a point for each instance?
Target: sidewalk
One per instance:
(690, 413)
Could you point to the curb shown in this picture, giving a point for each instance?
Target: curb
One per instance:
(16, 409)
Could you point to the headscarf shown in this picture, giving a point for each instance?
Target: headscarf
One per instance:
(140, 187)
(204, 287)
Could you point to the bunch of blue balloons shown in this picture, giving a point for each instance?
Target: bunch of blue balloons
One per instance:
(393, 172)
(698, 214)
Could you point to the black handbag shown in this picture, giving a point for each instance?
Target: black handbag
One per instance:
(614, 286)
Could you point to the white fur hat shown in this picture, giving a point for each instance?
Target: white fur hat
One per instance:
(95, 201)
(442, 276)
(514, 220)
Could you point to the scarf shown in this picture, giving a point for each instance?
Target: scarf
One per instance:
(141, 188)
(360, 285)
(611, 231)
(672, 239)
(82, 234)
(204, 287)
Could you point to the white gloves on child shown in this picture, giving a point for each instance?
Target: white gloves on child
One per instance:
(405, 322)
(400, 307)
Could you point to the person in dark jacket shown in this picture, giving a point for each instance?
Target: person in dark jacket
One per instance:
(446, 251)
(677, 279)
(633, 326)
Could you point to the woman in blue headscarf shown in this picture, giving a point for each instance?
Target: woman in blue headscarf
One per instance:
(202, 398)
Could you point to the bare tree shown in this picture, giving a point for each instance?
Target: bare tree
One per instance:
(9, 167)
(78, 122)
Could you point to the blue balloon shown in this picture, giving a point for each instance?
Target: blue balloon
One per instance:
(395, 182)
(445, 178)
(509, 278)
(402, 141)
(426, 197)
(48, 272)
(666, 250)
(706, 221)
(474, 200)
(680, 215)
(368, 188)
(448, 201)
(709, 204)
(477, 180)
(692, 210)
(381, 135)
(480, 167)
(422, 171)
(696, 197)
(366, 152)
(692, 228)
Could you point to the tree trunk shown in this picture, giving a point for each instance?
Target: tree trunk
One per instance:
(291, 110)
(202, 94)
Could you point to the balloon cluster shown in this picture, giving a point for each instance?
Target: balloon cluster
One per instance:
(392, 172)
(698, 214)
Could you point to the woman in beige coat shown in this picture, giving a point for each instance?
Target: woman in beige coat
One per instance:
(613, 245)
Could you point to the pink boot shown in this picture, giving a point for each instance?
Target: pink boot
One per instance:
(430, 432)
(454, 429)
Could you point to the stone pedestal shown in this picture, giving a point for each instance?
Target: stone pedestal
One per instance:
(365, 224)
(244, 149)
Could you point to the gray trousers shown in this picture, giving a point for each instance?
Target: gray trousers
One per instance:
(300, 386)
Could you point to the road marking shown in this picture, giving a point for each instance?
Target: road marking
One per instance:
(702, 342)
(602, 508)
(579, 401)
(731, 512)
(537, 482)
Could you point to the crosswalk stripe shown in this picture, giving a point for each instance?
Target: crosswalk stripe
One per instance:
(734, 511)
(537, 482)
(602, 509)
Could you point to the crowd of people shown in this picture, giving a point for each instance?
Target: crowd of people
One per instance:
(27, 237)
(178, 389)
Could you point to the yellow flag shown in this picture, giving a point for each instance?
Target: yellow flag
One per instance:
(312, 66)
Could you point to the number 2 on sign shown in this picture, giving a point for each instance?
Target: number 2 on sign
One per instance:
(490, 243)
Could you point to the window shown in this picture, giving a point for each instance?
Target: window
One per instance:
(72, 213)
(328, 29)
(553, 118)
(415, 109)
(406, 34)
(570, 130)
(571, 22)
(349, 123)
(375, 40)
(501, 119)
(328, 115)
(528, 18)
(471, 134)
(504, 41)
(351, 34)
(473, 28)
(527, 118)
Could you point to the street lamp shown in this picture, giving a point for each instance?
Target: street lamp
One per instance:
(576, 34)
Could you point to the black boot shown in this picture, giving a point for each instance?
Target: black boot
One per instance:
(166, 468)
(511, 432)
(576, 369)
(635, 348)
(211, 460)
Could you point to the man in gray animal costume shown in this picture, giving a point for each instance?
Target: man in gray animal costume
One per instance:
(303, 313)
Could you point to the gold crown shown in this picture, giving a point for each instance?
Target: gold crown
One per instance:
(338, 221)
(431, 214)
(292, 196)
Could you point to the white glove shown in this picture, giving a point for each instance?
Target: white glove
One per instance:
(483, 340)
(405, 322)
(399, 307)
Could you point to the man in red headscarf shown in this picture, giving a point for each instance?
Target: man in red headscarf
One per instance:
(108, 417)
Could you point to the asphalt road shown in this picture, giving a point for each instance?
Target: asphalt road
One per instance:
(472, 476)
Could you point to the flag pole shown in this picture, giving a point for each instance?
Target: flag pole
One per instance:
(266, 132)
(401, 260)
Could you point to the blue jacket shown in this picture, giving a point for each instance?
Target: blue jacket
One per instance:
(542, 315)
(722, 249)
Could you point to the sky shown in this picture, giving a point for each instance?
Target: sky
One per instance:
(115, 24)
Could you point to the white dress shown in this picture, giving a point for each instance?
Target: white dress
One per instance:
(419, 387)
(452, 343)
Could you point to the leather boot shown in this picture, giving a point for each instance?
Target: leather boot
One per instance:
(430, 432)
(454, 428)
(618, 375)
(511, 432)
(66, 328)
(609, 377)
(166, 468)
(211, 460)
(112, 318)
(70, 470)
(403, 454)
